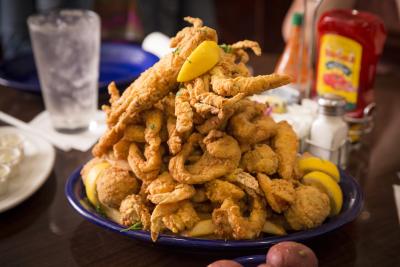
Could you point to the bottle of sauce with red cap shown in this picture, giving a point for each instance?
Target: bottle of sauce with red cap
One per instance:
(349, 45)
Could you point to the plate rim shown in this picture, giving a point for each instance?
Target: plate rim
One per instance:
(257, 259)
(187, 242)
(101, 85)
(43, 177)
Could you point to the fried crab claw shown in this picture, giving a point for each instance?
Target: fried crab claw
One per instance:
(221, 155)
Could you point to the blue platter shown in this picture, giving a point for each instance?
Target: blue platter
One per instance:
(352, 205)
(251, 261)
(119, 62)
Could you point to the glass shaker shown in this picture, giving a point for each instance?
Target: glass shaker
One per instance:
(328, 135)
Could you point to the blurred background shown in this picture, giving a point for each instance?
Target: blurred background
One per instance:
(131, 20)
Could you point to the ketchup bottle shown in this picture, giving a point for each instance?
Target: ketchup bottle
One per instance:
(349, 45)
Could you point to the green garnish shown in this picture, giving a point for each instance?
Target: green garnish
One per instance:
(176, 51)
(100, 211)
(152, 126)
(180, 91)
(135, 226)
(226, 48)
(190, 62)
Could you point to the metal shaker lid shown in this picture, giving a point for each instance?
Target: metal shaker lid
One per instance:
(331, 105)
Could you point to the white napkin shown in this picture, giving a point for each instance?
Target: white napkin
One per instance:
(80, 141)
(157, 43)
(396, 191)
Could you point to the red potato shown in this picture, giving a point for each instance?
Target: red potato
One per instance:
(291, 254)
(225, 263)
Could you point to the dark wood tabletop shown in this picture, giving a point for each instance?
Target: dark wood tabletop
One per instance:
(46, 231)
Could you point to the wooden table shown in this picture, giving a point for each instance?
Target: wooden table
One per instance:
(46, 231)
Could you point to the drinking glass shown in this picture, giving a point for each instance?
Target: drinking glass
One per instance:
(66, 47)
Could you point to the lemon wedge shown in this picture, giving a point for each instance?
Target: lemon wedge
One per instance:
(309, 164)
(201, 60)
(273, 228)
(90, 181)
(326, 184)
(202, 228)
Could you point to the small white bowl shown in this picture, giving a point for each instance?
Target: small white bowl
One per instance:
(11, 157)
(5, 172)
(11, 140)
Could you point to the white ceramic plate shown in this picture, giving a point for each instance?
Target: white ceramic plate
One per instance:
(33, 170)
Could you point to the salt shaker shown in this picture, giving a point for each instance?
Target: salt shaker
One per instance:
(328, 135)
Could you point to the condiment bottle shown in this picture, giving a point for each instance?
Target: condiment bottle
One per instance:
(328, 135)
(349, 45)
(294, 60)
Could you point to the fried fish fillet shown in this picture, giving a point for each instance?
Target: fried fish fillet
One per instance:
(286, 145)
(152, 85)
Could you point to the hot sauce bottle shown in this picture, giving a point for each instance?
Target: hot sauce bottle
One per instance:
(349, 45)
(294, 59)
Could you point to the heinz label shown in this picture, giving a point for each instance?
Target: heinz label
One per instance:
(339, 67)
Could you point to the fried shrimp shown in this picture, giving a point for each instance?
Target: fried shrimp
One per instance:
(183, 111)
(135, 158)
(286, 147)
(133, 209)
(279, 193)
(251, 126)
(179, 193)
(152, 151)
(219, 190)
(152, 85)
(134, 133)
(173, 216)
(230, 222)
(121, 149)
(261, 159)
(114, 96)
(221, 156)
(162, 184)
(184, 218)
(226, 86)
(238, 49)
(245, 181)
(174, 139)
(217, 122)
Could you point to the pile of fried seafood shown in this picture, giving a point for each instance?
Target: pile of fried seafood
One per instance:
(183, 155)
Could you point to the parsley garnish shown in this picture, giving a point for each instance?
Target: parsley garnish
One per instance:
(226, 48)
(179, 93)
(176, 51)
(190, 62)
(152, 126)
(135, 226)
(100, 211)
